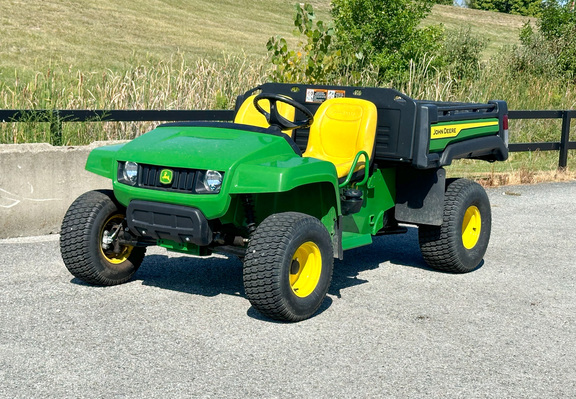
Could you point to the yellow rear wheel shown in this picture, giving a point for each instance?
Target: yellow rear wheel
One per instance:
(459, 244)
(471, 227)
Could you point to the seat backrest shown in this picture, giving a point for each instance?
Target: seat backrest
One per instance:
(342, 127)
(248, 114)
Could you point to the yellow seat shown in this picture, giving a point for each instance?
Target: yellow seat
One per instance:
(342, 127)
(249, 115)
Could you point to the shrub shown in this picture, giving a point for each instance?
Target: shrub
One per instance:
(462, 53)
(385, 34)
(314, 60)
(551, 49)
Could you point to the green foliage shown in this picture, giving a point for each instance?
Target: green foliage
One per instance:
(558, 20)
(551, 50)
(385, 34)
(535, 55)
(314, 60)
(462, 52)
(221, 101)
(526, 34)
(517, 7)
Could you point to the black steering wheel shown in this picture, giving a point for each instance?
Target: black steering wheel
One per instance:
(275, 119)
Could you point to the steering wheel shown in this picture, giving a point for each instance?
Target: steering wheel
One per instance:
(275, 119)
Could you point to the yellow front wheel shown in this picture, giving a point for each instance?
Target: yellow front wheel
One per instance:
(305, 269)
(111, 249)
(288, 266)
(91, 241)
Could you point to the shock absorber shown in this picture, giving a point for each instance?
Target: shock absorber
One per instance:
(248, 203)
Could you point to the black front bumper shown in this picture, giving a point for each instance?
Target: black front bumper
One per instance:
(160, 221)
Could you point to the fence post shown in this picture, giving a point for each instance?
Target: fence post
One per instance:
(55, 129)
(564, 139)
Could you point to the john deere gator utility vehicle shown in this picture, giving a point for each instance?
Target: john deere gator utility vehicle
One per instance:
(302, 174)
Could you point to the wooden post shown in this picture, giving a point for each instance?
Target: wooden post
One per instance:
(564, 139)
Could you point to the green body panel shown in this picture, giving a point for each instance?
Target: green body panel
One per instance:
(379, 196)
(261, 167)
(190, 249)
(202, 147)
(252, 162)
(354, 240)
(102, 160)
(317, 200)
(282, 174)
(484, 127)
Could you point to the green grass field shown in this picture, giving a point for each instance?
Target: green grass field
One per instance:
(497, 29)
(115, 34)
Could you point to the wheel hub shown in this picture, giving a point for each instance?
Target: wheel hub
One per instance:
(305, 269)
(471, 226)
(111, 249)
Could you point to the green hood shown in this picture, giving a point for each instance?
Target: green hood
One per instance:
(201, 147)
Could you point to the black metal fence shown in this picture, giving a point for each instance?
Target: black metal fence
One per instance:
(57, 117)
(562, 146)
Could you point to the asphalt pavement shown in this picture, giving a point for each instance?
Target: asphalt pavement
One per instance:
(390, 327)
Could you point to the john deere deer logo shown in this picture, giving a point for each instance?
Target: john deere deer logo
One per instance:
(166, 176)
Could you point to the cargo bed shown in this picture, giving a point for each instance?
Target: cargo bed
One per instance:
(423, 134)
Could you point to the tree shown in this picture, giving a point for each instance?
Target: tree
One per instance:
(558, 26)
(385, 34)
(314, 60)
(558, 20)
(517, 7)
(552, 47)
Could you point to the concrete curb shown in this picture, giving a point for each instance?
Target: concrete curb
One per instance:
(38, 182)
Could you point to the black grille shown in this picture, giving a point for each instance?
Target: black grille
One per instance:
(183, 180)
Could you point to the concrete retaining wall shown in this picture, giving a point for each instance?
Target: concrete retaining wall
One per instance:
(38, 182)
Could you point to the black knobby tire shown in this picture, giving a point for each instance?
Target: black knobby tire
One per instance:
(459, 244)
(288, 266)
(81, 241)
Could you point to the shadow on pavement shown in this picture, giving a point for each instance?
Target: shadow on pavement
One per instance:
(217, 275)
(199, 276)
(220, 275)
(401, 249)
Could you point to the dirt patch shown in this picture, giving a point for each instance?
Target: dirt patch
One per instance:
(522, 176)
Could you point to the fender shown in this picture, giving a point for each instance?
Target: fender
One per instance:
(102, 161)
(282, 176)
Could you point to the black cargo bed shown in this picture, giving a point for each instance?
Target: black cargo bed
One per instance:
(403, 127)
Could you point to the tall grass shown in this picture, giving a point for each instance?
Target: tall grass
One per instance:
(179, 83)
(173, 84)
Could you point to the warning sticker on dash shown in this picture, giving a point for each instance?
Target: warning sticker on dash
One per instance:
(321, 95)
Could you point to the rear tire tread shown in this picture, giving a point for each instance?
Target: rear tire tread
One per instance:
(439, 244)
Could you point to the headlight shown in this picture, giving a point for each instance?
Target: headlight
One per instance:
(128, 173)
(209, 181)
